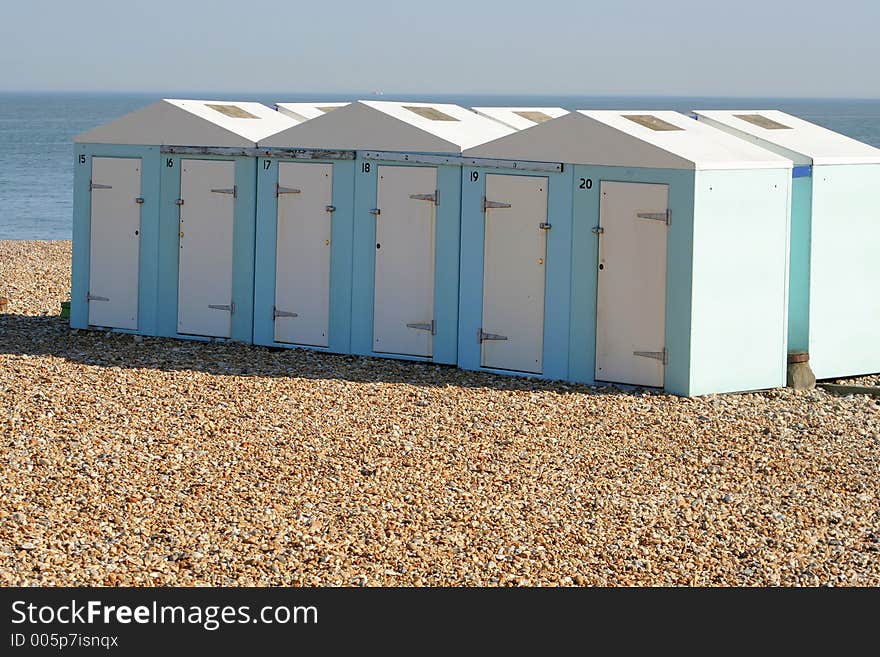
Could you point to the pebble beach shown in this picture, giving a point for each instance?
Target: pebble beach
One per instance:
(149, 462)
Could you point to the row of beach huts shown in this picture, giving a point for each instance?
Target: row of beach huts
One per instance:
(696, 254)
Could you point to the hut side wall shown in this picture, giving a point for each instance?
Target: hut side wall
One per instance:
(740, 280)
(845, 271)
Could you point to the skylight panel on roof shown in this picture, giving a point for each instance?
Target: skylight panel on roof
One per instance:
(534, 116)
(762, 121)
(327, 109)
(652, 122)
(232, 111)
(430, 113)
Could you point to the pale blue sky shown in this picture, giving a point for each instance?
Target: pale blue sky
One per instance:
(635, 47)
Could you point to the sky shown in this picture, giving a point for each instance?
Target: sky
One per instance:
(779, 48)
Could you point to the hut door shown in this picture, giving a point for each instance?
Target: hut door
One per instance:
(631, 304)
(403, 309)
(207, 208)
(114, 242)
(302, 264)
(512, 333)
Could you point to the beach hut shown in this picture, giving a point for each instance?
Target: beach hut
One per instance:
(520, 118)
(163, 226)
(305, 111)
(834, 304)
(305, 209)
(653, 254)
(405, 221)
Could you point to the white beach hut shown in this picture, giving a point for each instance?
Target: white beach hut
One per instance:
(164, 204)
(654, 254)
(407, 186)
(834, 304)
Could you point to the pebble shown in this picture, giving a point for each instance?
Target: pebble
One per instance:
(133, 462)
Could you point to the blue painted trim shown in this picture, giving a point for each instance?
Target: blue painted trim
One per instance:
(557, 293)
(445, 343)
(802, 171)
(339, 339)
(799, 265)
(584, 279)
(149, 233)
(242, 254)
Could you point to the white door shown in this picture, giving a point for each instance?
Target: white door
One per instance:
(403, 310)
(512, 332)
(302, 269)
(631, 304)
(204, 293)
(114, 242)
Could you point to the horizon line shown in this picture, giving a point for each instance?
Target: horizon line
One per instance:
(372, 95)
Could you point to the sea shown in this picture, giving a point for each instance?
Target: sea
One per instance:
(37, 130)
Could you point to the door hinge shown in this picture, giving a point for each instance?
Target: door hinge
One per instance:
(227, 307)
(427, 326)
(487, 204)
(139, 200)
(94, 185)
(375, 212)
(434, 198)
(92, 297)
(232, 191)
(482, 335)
(282, 313)
(178, 201)
(665, 217)
(544, 226)
(279, 190)
(330, 208)
(597, 230)
(656, 355)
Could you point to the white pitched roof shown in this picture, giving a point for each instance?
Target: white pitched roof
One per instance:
(305, 111)
(393, 126)
(521, 118)
(801, 141)
(173, 122)
(652, 139)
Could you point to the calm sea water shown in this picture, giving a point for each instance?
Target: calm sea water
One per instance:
(36, 133)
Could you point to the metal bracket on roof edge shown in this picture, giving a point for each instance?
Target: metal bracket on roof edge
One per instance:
(487, 204)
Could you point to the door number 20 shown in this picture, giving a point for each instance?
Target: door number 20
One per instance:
(586, 183)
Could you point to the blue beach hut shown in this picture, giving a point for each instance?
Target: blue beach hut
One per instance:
(652, 252)
(163, 225)
(834, 304)
(404, 223)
